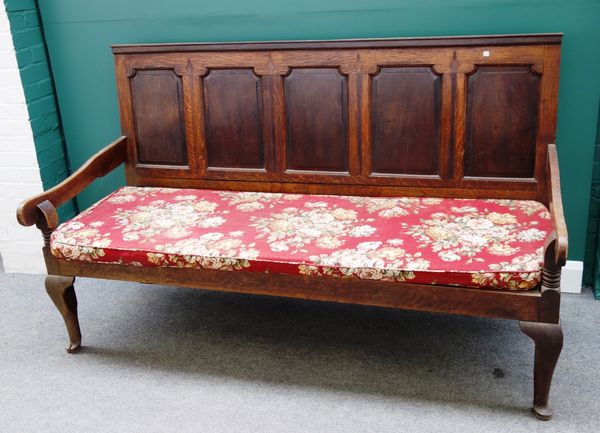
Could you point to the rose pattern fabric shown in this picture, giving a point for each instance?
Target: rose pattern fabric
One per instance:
(466, 242)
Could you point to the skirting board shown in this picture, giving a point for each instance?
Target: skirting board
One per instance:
(571, 277)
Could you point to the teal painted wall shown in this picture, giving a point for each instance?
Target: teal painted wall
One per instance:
(591, 277)
(79, 35)
(36, 77)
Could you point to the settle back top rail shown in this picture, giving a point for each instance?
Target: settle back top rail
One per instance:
(469, 117)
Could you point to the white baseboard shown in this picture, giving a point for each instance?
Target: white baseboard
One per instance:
(571, 277)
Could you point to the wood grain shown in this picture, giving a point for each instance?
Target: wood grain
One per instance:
(451, 41)
(362, 114)
(316, 113)
(405, 121)
(233, 119)
(97, 166)
(556, 208)
(443, 299)
(160, 132)
(502, 122)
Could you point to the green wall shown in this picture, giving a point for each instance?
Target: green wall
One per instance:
(79, 35)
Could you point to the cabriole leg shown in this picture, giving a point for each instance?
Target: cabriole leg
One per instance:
(62, 293)
(548, 339)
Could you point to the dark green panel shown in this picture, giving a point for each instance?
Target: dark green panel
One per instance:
(591, 264)
(79, 35)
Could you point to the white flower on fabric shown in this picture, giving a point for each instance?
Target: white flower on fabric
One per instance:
(181, 209)
(316, 204)
(439, 215)
(393, 212)
(211, 222)
(177, 232)
(204, 206)
(449, 256)
(357, 260)
(531, 235)
(249, 207)
(227, 244)
(388, 253)
(211, 236)
(130, 236)
(344, 214)
(278, 246)
(473, 240)
(102, 243)
(309, 231)
(463, 209)
(321, 218)
(337, 227)
(417, 265)
(164, 222)
(329, 242)
(368, 246)
(502, 218)
(501, 250)
(236, 233)
(479, 224)
(119, 199)
(248, 254)
(362, 231)
(498, 232)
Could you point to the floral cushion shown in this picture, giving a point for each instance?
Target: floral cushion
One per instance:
(466, 242)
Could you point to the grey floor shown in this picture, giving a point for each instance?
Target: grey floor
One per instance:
(160, 359)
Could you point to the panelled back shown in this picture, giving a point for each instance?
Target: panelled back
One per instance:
(467, 116)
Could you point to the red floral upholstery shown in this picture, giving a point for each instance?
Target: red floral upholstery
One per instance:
(475, 243)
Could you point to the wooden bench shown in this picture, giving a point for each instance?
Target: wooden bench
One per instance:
(357, 151)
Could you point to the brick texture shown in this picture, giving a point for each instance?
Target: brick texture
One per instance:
(20, 248)
(36, 78)
(32, 148)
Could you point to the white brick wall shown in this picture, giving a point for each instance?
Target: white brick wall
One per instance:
(20, 247)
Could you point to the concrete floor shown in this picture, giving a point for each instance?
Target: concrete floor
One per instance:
(160, 359)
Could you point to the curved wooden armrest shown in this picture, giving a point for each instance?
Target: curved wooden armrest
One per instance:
(556, 208)
(97, 166)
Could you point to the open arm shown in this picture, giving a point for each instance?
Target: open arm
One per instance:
(556, 208)
(97, 166)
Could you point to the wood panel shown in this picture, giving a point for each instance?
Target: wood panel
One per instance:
(233, 119)
(316, 113)
(374, 118)
(502, 122)
(158, 115)
(405, 121)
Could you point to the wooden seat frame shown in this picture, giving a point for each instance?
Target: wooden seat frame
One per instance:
(204, 71)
